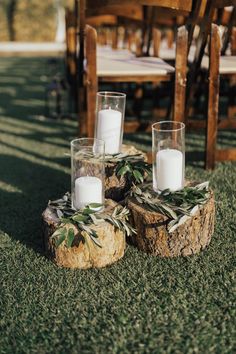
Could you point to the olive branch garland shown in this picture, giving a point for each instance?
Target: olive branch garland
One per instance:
(177, 206)
(83, 219)
(133, 167)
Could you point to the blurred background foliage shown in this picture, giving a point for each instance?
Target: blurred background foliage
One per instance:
(30, 20)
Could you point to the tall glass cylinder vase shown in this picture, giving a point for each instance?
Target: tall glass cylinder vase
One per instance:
(168, 149)
(87, 172)
(110, 112)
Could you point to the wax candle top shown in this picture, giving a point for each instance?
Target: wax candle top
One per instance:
(88, 189)
(169, 169)
(170, 154)
(109, 127)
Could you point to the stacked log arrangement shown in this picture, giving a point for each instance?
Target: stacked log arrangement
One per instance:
(152, 234)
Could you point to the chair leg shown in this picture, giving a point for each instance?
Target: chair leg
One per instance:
(80, 9)
(156, 35)
(213, 99)
(115, 38)
(233, 41)
(92, 81)
(180, 74)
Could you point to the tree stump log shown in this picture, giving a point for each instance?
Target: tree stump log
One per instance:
(116, 187)
(84, 255)
(188, 238)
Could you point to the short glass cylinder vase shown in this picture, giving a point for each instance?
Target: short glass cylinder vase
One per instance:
(168, 154)
(110, 112)
(87, 172)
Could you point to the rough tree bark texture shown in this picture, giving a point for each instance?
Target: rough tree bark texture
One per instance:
(83, 255)
(115, 187)
(189, 238)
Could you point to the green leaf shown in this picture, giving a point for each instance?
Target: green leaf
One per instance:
(94, 234)
(88, 211)
(60, 231)
(114, 222)
(86, 229)
(65, 220)
(59, 213)
(86, 241)
(80, 218)
(59, 236)
(57, 232)
(123, 170)
(70, 237)
(96, 241)
(95, 205)
(170, 211)
(128, 231)
(138, 176)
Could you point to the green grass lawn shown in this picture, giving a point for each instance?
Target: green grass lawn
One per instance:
(142, 304)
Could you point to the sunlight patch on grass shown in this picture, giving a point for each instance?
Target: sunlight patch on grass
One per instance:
(40, 124)
(34, 88)
(37, 153)
(9, 188)
(11, 91)
(28, 102)
(2, 110)
(12, 80)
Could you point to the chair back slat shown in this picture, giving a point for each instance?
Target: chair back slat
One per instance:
(213, 97)
(180, 74)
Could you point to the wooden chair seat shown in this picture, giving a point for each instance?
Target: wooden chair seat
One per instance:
(108, 52)
(124, 66)
(227, 64)
(169, 54)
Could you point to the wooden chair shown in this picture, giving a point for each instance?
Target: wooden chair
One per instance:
(227, 18)
(208, 16)
(128, 69)
(107, 20)
(219, 66)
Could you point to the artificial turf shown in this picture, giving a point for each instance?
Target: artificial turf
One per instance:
(142, 304)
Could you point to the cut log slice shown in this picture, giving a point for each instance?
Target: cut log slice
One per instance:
(84, 255)
(116, 187)
(188, 238)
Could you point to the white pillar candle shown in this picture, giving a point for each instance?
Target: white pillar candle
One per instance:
(169, 169)
(88, 190)
(109, 129)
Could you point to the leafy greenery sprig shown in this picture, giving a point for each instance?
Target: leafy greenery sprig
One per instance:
(132, 166)
(176, 206)
(76, 226)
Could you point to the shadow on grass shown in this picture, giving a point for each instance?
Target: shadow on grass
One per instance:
(195, 158)
(33, 163)
(29, 186)
(23, 83)
(40, 137)
(63, 160)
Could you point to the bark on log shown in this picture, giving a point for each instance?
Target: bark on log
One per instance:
(115, 187)
(189, 238)
(80, 255)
